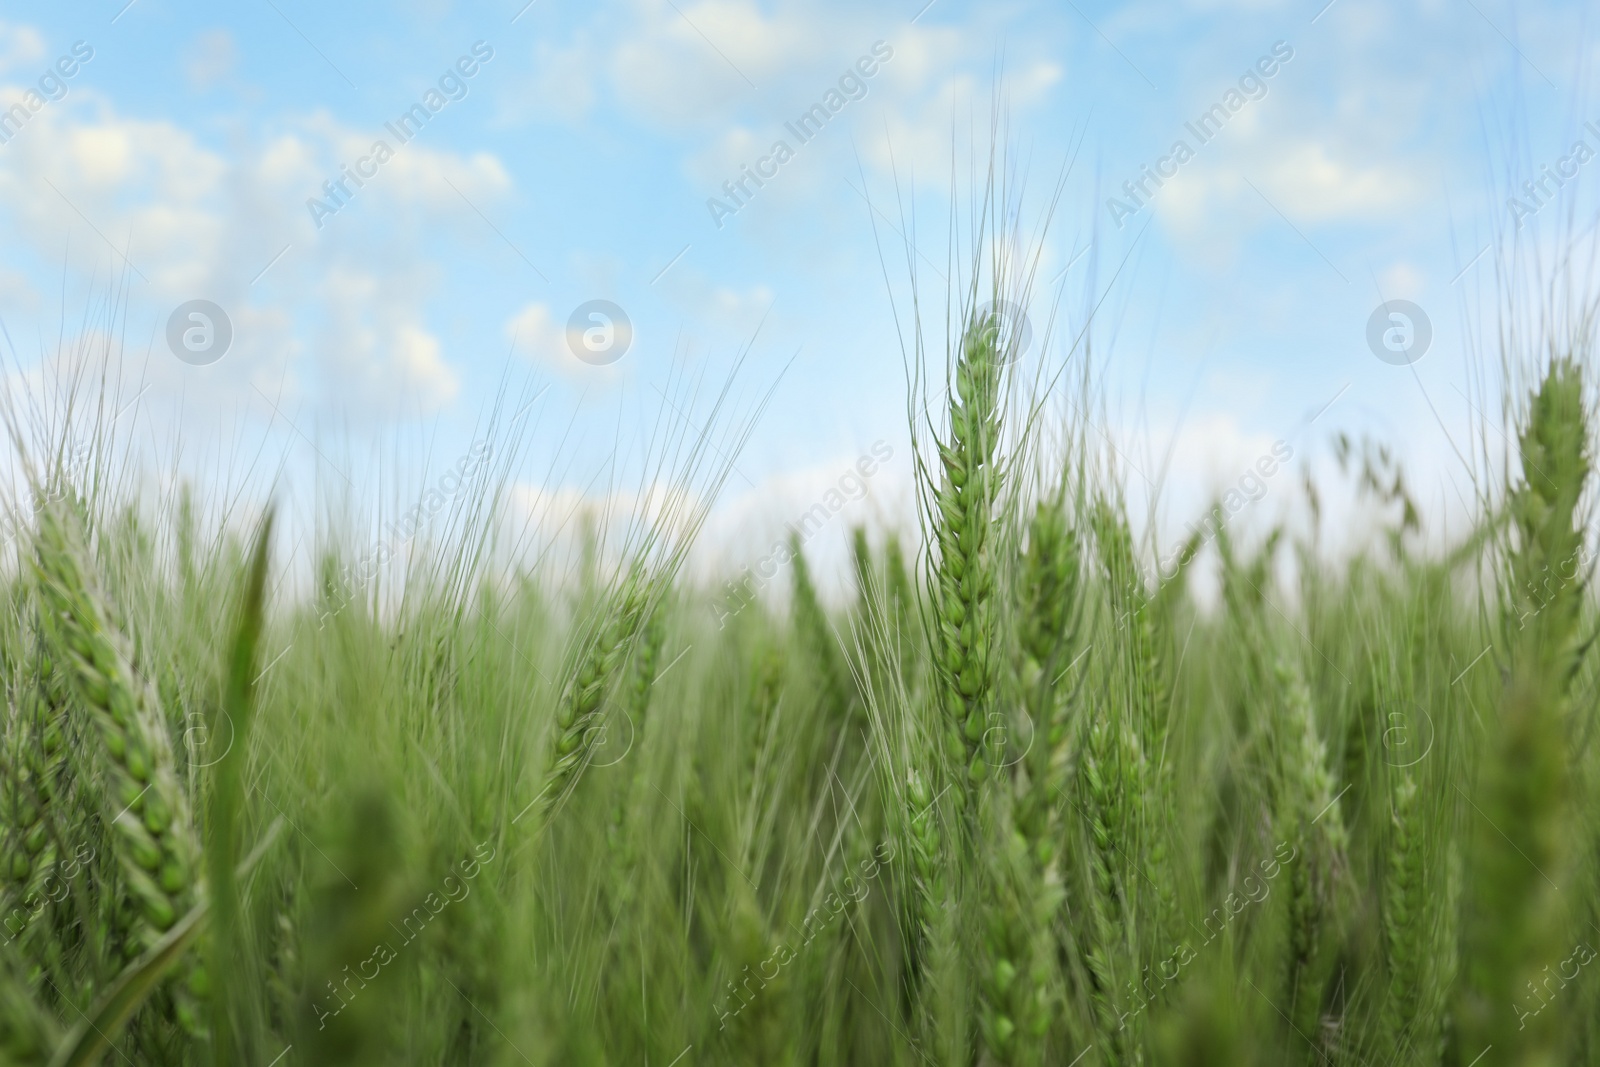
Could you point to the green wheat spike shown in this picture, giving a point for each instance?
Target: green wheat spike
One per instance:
(816, 635)
(1516, 923)
(152, 829)
(965, 574)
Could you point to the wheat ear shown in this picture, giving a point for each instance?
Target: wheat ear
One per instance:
(33, 771)
(811, 627)
(1516, 922)
(901, 606)
(152, 826)
(1102, 774)
(640, 688)
(1019, 983)
(152, 831)
(1313, 815)
(578, 713)
(1404, 937)
(924, 844)
(965, 575)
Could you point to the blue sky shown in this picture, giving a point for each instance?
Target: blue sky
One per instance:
(577, 160)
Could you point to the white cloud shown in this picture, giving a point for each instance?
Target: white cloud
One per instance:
(1209, 6)
(1030, 84)
(919, 131)
(20, 46)
(375, 350)
(1311, 182)
(827, 499)
(684, 66)
(737, 313)
(722, 159)
(536, 336)
(210, 58)
(427, 178)
(561, 81)
(1402, 281)
(691, 66)
(194, 222)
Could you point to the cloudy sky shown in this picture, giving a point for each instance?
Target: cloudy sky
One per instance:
(400, 208)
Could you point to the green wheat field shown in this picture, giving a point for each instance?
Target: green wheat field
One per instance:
(1024, 799)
